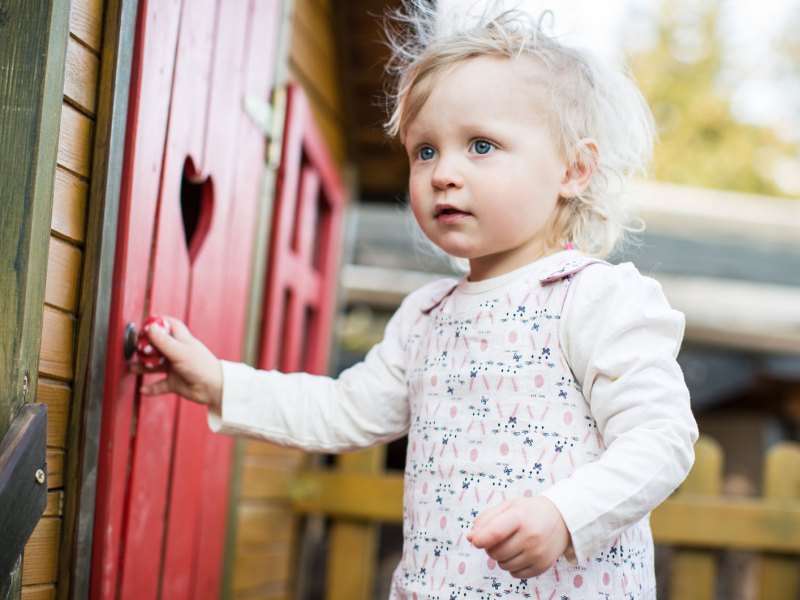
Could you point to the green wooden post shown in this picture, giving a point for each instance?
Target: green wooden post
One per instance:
(33, 45)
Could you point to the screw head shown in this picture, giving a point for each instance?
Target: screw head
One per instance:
(40, 476)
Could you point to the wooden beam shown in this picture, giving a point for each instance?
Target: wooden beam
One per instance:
(23, 482)
(692, 520)
(733, 524)
(356, 496)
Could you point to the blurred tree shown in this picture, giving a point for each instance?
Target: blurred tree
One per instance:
(788, 50)
(700, 141)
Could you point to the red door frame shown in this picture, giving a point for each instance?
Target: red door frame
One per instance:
(300, 297)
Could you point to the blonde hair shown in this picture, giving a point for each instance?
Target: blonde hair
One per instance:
(586, 99)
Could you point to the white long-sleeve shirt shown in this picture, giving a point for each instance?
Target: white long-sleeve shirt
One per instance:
(536, 361)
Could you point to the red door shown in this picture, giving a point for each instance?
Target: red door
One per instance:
(189, 199)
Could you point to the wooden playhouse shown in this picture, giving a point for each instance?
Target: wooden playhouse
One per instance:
(193, 158)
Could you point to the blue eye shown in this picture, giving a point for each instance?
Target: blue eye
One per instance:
(482, 147)
(426, 153)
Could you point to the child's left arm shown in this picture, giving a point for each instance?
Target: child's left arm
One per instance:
(621, 339)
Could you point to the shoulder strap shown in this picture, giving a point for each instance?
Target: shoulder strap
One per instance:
(570, 267)
(437, 301)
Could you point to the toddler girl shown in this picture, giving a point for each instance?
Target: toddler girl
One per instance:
(545, 412)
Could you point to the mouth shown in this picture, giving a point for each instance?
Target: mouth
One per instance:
(446, 211)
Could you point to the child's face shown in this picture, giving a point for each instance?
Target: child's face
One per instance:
(485, 170)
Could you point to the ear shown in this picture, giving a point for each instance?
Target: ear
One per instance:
(581, 167)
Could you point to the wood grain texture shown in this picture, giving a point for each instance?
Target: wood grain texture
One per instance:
(55, 468)
(86, 22)
(75, 141)
(32, 50)
(55, 504)
(69, 206)
(80, 76)
(63, 275)
(38, 592)
(41, 553)
(263, 482)
(313, 62)
(265, 524)
(56, 357)
(57, 396)
(257, 568)
(330, 123)
(313, 51)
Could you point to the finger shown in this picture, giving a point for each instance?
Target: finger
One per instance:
(168, 345)
(485, 517)
(179, 329)
(511, 557)
(507, 550)
(138, 368)
(156, 388)
(496, 528)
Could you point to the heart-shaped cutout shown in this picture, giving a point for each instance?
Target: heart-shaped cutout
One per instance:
(197, 207)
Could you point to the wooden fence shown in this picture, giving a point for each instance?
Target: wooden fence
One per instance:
(697, 522)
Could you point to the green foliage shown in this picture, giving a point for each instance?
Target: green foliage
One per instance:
(700, 141)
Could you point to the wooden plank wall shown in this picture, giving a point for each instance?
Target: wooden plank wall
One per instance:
(68, 237)
(267, 541)
(314, 64)
(267, 530)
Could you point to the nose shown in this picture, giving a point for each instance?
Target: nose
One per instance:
(446, 174)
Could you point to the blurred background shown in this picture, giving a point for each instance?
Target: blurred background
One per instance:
(721, 208)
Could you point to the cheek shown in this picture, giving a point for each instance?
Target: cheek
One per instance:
(416, 197)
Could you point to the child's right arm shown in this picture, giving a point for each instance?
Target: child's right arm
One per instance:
(365, 405)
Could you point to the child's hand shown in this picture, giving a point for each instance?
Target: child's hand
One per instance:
(192, 369)
(526, 536)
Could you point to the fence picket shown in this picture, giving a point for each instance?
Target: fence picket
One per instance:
(693, 572)
(779, 575)
(354, 545)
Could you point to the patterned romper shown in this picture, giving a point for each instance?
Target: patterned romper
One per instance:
(496, 414)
